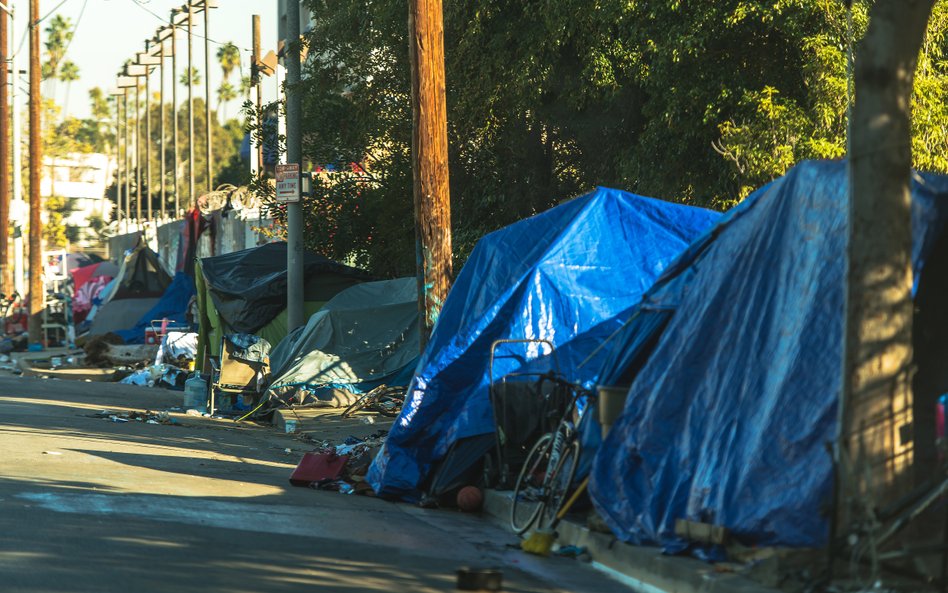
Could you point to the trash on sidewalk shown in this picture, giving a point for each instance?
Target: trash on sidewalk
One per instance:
(350, 477)
(318, 467)
(147, 417)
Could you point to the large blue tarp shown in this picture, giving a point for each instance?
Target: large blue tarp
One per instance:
(173, 306)
(567, 276)
(734, 359)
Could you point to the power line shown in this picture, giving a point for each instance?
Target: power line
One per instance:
(139, 3)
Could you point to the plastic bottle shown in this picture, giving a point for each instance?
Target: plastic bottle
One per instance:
(195, 393)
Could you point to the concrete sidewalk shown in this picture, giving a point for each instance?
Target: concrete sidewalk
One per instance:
(645, 569)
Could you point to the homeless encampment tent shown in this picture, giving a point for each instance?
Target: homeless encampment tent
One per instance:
(139, 284)
(734, 359)
(566, 276)
(88, 284)
(171, 309)
(245, 292)
(364, 336)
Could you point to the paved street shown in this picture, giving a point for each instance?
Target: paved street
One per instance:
(98, 506)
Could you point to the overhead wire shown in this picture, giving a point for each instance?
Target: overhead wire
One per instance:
(140, 4)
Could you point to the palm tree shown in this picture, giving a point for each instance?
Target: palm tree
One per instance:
(68, 73)
(225, 94)
(195, 77)
(245, 87)
(229, 57)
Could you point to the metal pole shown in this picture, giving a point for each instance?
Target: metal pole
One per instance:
(174, 112)
(6, 276)
(294, 154)
(16, 180)
(37, 294)
(281, 113)
(138, 154)
(257, 81)
(148, 139)
(161, 136)
(118, 164)
(208, 131)
(128, 172)
(191, 197)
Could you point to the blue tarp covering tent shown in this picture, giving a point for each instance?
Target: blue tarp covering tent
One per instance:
(173, 306)
(734, 360)
(566, 276)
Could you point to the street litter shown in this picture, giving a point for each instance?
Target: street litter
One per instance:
(147, 417)
(51, 453)
(340, 468)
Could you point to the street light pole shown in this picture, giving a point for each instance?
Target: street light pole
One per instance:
(174, 109)
(138, 152)
(16, 180)
(192, 198)
(257, 81)
(161, 141)
(128, 175)
(37, 294)
(6, 277)
(148, 185)
(118, 161)
(208, 132)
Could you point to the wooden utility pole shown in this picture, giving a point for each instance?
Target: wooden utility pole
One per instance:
(877, 420)
(257, 81)
(430, 160)
(6, 270)
(37, 291)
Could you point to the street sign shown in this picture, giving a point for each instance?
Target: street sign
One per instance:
(288, 183)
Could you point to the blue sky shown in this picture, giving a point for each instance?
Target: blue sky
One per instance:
(110, 31)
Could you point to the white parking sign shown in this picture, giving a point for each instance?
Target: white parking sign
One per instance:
(288, 183)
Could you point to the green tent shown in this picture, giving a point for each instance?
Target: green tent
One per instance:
(245, 292)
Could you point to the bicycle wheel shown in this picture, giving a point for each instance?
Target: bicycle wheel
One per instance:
(529, 493)
(361, 403)
(560, 484)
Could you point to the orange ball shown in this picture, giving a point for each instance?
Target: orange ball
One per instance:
(470, 499)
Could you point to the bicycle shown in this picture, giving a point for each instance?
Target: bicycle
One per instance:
(385, 400)
(550, 467)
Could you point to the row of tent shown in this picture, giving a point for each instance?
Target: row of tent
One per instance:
(727, 330)
(360, 332)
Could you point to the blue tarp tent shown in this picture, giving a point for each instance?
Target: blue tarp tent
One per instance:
(734, 359)
(173, 306)
(566, 276)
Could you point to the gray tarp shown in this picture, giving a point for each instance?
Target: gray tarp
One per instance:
(366, 334)
(120, 314)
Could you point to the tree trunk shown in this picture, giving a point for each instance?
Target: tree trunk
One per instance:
(430, 160)
(876, 408)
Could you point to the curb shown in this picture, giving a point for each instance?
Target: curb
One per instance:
(644, 569)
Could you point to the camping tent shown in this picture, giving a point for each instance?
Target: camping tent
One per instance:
(245, 292)
(566, 276)
(734, 359)
(171, 307)
(364, 336)
(140, 282)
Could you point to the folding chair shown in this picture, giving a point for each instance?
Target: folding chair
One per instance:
(235, 376)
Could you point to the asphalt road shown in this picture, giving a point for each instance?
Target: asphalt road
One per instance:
(89, 505)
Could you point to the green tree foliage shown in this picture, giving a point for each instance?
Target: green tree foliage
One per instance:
(698, 103)
(195, 77)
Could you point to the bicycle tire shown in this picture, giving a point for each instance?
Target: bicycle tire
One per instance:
(560, 484)
(359, 404)
(528, 495)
